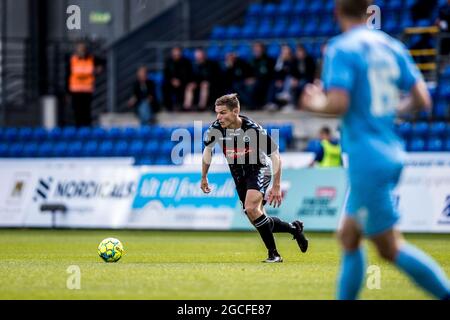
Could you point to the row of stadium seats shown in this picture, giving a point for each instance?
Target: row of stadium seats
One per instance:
(433, 144)
(423, 130)
(98, 134)
(417, 137)
(121, 148)
(291, 19)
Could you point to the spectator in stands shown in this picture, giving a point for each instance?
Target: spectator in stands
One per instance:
(443, 21)
(262, 67)
(329, 152)
(204, 82)
(319, 63)
(143, 100)
(177, 73)
(304, 71)
(237, 73)
(82, 69)
(281, 88)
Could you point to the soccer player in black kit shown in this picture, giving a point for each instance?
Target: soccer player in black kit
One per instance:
(247, 147)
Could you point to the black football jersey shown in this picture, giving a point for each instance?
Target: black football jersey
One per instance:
(245, 148)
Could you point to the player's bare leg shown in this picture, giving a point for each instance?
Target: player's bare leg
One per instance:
(262, 223)
(204, 95)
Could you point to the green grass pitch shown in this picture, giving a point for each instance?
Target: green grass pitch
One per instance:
(189, 265)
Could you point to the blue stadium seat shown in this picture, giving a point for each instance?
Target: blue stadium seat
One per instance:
(394, 4)
(98, 134)
(437, 129)
(114, 134)
(294, 29)
(11, 134)
(90, 149)
(435, 144)
(249, 31)
(315, 7)
(440, 109)
(264, 30)
(105, 149)
(39, 135)
(130, 133)
(84, 134)
(74, 150)
(244, 51)
(68, 133)
(218, 33)
(287, 131)
(54, 134)
(447, 145)
(280, 29)
(255, 10)
(25, 134)
(405, 129)
(60, 150)
(144, 161)
(136, 149)
(300, 7)
(232, 32)
(163, 160)
(325, 28)
(269, 10)
(159, 133)
(151, 148)
(409, 3)
(15, 150)
(282, 145)
(416, 145)
(144, 133)
(273, 49)
(313, 145)
(45, 149)
(3, 150)
(311, 26)
(120, 148)
(285, 9)
(166, 148)
(420, 129)
(188, 53)
(213, 52)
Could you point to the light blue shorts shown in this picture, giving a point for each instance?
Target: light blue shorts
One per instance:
(370, 201)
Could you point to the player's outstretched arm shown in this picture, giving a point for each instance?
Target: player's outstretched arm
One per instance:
(419, 99)
(314, 99)
(206, 163)
(274, 194)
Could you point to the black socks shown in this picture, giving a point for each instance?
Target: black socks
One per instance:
(264, 226)
(279, 226)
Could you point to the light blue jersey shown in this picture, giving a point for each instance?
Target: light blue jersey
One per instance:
(373, 68)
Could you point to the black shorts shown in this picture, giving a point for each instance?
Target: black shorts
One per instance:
(258, 179)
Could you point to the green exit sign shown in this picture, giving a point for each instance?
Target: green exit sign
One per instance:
(97, 17)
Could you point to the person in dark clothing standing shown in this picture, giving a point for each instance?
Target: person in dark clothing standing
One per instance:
(82, 69)
(280, 90)
(262, 75)
(143, 100)
(304, 71)
(177, 73)
(205, 76)
(237, 73)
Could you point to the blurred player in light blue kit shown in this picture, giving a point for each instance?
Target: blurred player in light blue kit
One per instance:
(363, 75)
